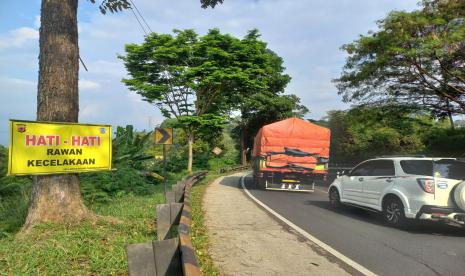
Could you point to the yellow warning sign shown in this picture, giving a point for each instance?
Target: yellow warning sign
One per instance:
(164, 136)
(49, 148)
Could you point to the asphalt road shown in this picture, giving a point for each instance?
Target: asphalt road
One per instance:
(421, 249)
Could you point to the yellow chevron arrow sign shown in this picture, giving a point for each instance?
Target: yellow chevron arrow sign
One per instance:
(164, 136)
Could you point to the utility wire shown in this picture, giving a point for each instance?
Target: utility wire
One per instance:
(83, 64)
(140, 24)
(140, 14)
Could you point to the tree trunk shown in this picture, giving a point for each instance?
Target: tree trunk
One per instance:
(243, 147)
(449, 114)
(451, 120)
(190, 142)
(57, 198)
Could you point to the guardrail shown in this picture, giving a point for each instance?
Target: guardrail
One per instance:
(173, 253)
(234, 169)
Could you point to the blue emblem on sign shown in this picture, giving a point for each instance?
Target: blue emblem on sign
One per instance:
(102, 130)
(442, 185)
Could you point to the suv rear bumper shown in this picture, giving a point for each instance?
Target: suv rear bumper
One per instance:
(441, 213)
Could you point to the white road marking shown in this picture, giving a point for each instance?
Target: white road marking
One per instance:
(321, 244)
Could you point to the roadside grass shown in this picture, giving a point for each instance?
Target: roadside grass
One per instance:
(86, 248)
(13, 211)
(199, 234)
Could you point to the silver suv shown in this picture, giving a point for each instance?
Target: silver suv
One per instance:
(405, 188)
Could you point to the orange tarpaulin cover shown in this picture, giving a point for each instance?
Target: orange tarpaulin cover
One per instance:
(292, 133)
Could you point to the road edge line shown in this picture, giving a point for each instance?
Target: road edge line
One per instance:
(307, 235)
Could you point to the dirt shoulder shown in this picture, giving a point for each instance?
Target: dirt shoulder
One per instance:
(246, 240)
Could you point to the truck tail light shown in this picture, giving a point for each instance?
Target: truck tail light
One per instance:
(426, 184)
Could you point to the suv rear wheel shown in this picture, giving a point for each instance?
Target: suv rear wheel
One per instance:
(393, 211)
(334, 198)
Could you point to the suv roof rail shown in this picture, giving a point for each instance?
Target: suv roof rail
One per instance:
(405, 155)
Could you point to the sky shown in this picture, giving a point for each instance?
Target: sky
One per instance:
(307, 34)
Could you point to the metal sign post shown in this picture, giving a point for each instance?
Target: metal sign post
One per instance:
(164, 167)
(217, 151)
(164, 136)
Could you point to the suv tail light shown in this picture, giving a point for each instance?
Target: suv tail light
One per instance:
(426, 184)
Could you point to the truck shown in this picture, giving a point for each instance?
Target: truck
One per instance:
(290, 155)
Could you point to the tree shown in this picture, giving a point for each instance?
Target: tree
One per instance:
(57, 197)
(196, 78)
(184, 76)
(264, 108)
(416, 59)
(259, 97)
(366, 132)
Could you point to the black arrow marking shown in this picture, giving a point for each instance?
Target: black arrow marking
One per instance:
(165, 134)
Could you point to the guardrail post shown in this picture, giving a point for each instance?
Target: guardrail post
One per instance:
(167, 216)
(167, 257)
(178, 193)
(141, 259)
(170, 197)
(154, 258)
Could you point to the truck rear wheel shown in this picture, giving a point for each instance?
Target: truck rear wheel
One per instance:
(259, 183)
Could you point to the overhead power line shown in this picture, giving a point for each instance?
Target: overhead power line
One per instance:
(140, 14)
(142, 17)
(140, 24)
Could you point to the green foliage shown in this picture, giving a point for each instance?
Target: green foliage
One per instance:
(184, 74)
(446, 142)
(205, 159)
(14, 197)
(210, 3)
(10, 186)
(13, 211)
(3, 160)
(132, 164)
(363, 132)
(129, 148)
(207, 127)
(103, 186)
(366, 132)
(159, 70)
(265, 108)
(415, 59)
(260, 100)
(120, 5)
(113, 5)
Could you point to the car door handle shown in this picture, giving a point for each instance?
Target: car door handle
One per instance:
(360, 179)
(389, 180)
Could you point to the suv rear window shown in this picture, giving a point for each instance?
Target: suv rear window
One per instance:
(418, 167)
(445, 168)
(452, 169)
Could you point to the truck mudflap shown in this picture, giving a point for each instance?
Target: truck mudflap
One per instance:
(291, 186)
